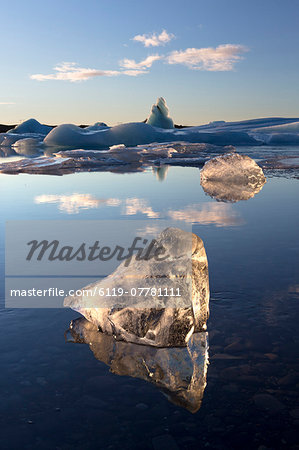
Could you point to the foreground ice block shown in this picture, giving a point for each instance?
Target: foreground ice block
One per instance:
(180, 373)
(159, 115)
(232, 177)
(156, 319)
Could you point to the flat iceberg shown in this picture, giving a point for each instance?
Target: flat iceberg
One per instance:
(118, 157)
(292, 127)
(232, 177)
(180, 373)
(159, 116)
(157, 319)
(138, 133)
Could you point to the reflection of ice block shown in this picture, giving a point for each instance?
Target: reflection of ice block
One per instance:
(179, 372)
(27, 146)
(232, 177)
(153, 318)
(159, 115)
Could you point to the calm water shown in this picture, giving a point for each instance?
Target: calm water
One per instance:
(57, 395)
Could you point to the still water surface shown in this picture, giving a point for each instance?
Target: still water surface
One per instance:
(57, 395)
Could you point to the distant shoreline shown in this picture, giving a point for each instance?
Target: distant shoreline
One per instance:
(4, 128)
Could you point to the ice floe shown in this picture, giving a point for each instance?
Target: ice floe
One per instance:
(158, 156)
(232, 177)
(127, 158)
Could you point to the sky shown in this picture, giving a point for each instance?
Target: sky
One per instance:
(70, 61)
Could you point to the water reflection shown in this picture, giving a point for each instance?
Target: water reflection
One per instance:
(135, 205)
(207, 213)
(180, 373)
(72, 204)
(160, 172)
(231, 192)
(7, 151)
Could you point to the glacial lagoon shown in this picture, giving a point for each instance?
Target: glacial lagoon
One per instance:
(66, 387)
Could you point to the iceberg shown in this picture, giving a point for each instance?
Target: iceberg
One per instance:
(59, 165)
(159, 116)
(158, 320)
(68, 135)
(292, 127)
(158, 128)
(179, 372)
(232, 177)
(30, 129)
(248, 125)
(138, 133)
(31, 126)
(283, 139)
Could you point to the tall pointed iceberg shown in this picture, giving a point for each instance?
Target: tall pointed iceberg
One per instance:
(159, 115)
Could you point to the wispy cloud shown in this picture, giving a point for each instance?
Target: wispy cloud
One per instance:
(154, 40)
(133, 73)
(144, 64)
(221, 58)
(7, 103)
(70, 71)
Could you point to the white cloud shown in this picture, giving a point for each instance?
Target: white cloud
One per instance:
(133, 73)
(145, 63)
(221, 58)
(69, 71)
(154, 40)
(7, 103)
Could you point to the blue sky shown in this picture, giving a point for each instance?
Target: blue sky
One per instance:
(244, 62)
